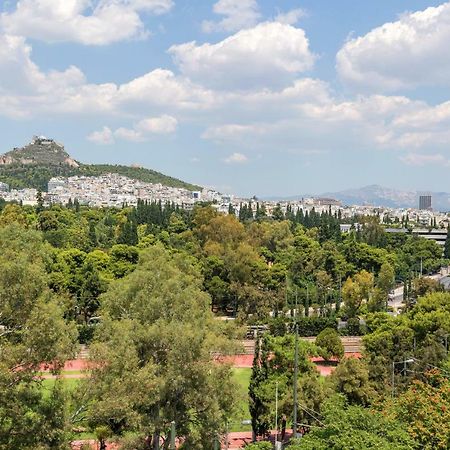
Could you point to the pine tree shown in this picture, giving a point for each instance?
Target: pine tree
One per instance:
(260, 211)
(92, 235)
(242, 212)
(259, 375)
(250, 211)
(277, 213)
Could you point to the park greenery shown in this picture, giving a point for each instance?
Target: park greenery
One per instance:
(143, 287)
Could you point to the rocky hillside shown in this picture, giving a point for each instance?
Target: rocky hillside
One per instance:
(40, 151)
(33, 165)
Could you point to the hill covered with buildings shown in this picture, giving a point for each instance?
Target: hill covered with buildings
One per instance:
(33, 165)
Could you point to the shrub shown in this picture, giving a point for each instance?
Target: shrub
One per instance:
(259, 446)
(330, 342)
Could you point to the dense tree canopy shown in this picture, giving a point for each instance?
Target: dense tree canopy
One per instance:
(143, 286)
(33, 333)
(153, 355)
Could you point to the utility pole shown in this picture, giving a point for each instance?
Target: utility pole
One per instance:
(286, 290)
(216, 442)
(227, 445)
(294, 418)
(340, 291)
(172, 435)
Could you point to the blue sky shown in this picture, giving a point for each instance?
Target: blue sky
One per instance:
(269, 98)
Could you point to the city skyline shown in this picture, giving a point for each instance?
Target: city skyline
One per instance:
(244, 96)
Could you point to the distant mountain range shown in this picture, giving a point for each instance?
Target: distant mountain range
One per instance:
(376, 195)
(33, 165)
(381, 196)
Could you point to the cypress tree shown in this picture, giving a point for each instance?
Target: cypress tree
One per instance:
(92, 235)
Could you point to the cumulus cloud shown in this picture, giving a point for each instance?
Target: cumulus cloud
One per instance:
(232, 132)
(412, 51)
(87, 22)
(248, 114)
(287, 117)
(162, 87)
(270, 54)
(291, 17)
(236, 158)
(27, 90)
(238, 14)
(19, 74)
(102, 137)
(140, 132)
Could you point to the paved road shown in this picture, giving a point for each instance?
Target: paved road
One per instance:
(396, 302)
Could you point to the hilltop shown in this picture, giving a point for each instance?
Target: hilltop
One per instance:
(33, 165)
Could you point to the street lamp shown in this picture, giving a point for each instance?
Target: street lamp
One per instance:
(394, 363)
(276, 412)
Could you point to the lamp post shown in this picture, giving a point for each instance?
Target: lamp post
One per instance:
(294, 416)
(394, 363)
(276, 412)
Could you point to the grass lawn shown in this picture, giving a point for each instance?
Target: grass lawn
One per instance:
(69, 383)
(65, 372)
(242, 378)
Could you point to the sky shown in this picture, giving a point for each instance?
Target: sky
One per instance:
(252, 97)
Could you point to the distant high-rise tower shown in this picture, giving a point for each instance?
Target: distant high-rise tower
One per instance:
(425, 202)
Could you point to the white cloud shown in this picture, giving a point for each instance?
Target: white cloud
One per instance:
(301, 114)
(415, 159)
(161, 88)
(26, 90)
(156, 7)
(410, 52)
(97, 22)
(236, 158)
(102, 137)
(158, 125)
(238, 14)
(291, 17)
(231, 132)
(140, 132)
(427, 116)
(270, 54)
(18, 74)
(129, 134)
